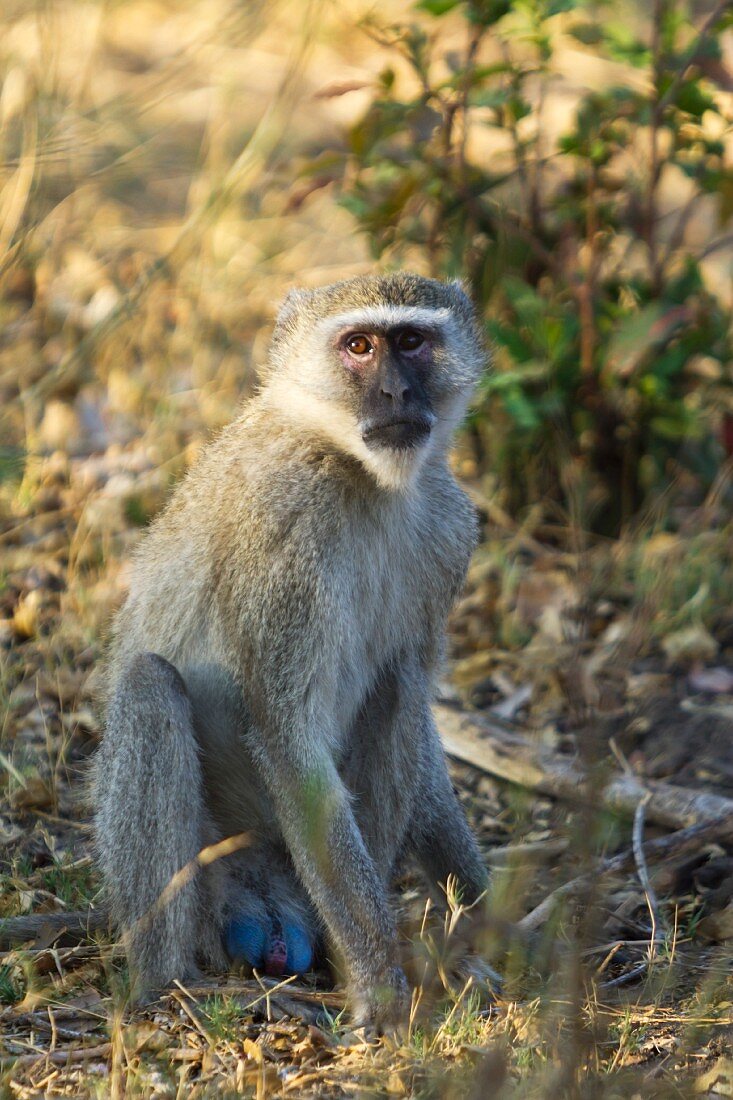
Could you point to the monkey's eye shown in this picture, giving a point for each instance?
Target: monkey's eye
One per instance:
(358, 344)
(410, 340)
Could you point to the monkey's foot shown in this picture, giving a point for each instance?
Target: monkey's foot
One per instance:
(273, 946)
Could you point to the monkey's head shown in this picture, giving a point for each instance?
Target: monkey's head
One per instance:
(381, 366)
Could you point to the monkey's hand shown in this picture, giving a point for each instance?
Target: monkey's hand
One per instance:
(381, 1007)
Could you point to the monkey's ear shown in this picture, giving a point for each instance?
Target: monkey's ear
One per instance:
(461, 291)
(460, 286)
(294, 301)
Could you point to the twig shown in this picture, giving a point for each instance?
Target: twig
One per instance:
(715, 246)
(630, 976)
(62, 1057)
(536, 851)
(659, 848)
(655, 168)
(692, 53)
(254, 989)
(179, 995)
(63, 956)
(637, 840)
(71, 928)
(501, 751)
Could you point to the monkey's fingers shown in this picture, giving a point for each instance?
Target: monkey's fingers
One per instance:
(382, 1009)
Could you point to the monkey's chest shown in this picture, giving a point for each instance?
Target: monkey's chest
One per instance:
(398, 595)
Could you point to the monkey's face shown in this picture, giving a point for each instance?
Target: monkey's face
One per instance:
(382, 367)
(388, 378)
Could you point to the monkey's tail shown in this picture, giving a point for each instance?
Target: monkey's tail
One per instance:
(60, 929)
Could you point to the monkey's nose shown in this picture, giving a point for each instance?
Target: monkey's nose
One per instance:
(396, 391)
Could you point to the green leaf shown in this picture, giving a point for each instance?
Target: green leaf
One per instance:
(528, 373)
(508, 337)
(688, 282)
(675, 427)
(12, 463)
(590, 34)
(632, 339)
(691, 99)
(488, 12)
(519, 107)
(557, 7)
(671, 362)
(437, 7)
(520, 409)
(524, 299)
(623, 45)
(483, 72)
(490, 97)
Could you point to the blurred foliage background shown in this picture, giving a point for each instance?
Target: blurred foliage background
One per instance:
(168, 170)
(572, 161)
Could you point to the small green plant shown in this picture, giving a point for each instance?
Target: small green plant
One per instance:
(330, 1022)
(223, 1018)
(628, 1036)
(75, 884)
(612, 349)
(10, 991)
(465, 1022)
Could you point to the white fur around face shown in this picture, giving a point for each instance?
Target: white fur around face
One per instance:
(369, 318)
(307, 411)
(308, 391)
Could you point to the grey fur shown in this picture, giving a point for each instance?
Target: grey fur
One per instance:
(271, 669)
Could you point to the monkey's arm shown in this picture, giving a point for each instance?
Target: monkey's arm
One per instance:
(400, 780)
(331, 858)
(293, 701)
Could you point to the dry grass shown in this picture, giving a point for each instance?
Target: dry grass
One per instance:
(153, 210)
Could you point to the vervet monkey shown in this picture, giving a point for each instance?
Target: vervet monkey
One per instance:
(270, 674)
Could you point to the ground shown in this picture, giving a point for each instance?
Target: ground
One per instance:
(524, 647)
(162, 186)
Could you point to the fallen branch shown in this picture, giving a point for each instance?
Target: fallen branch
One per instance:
(476, 740)
(659, 848)
(646, 883)
(533, 852)
(59, 929)
(60, 1057)
(258, 988)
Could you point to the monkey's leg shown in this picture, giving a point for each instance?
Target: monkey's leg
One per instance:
(332, 861)
(151, 825)
(441, 838)
(404, 799)
(383, 770)
(403, 795)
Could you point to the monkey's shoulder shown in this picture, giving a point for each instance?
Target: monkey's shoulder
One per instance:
(450, 516)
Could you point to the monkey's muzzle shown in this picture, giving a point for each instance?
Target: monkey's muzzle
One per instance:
(399, 434)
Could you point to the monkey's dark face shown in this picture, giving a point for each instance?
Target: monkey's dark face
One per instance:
(388, 373)
(382, 367)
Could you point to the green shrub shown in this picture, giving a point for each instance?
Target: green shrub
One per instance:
(612, 352)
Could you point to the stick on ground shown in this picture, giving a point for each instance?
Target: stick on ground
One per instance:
(493, 748)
